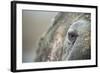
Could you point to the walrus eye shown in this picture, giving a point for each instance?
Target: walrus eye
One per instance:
(72, 36)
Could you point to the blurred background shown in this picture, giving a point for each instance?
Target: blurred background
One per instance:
(34, 25)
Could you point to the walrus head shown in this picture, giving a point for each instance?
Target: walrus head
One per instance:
(77, 42)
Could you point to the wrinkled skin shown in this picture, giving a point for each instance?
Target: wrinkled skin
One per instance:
(67, 39)
(77, 43)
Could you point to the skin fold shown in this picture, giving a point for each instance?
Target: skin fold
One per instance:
(67, 39)
(77, 45)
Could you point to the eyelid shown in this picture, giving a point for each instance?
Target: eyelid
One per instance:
(72, 36)
(73, 33)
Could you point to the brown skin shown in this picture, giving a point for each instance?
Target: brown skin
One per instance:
(56, 50)
(60, 44)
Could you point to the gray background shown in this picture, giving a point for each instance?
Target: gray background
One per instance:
(34, 25)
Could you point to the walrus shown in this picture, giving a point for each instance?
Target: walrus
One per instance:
(77, 45)
(67, 39)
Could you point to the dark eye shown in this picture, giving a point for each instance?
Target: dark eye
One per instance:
(72, 36)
